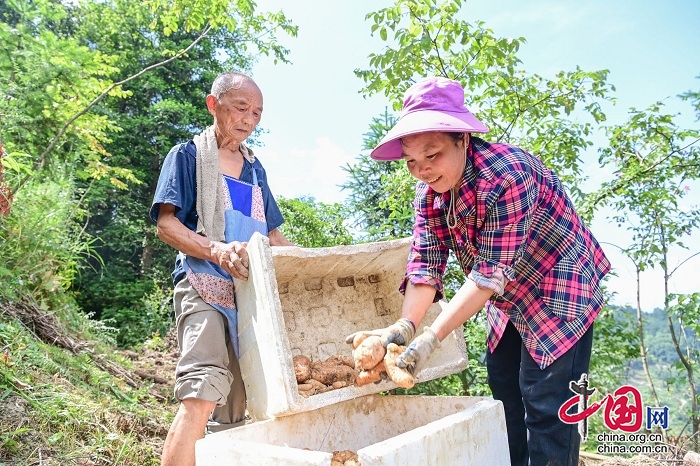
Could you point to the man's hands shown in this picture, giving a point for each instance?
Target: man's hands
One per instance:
(418, 352)
(232, 257)
(400, 333)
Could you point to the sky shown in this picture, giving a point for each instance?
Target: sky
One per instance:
(314, 117)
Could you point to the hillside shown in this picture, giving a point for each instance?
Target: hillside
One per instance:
(66, 400)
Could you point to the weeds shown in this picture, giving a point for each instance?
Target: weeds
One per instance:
(58, 408)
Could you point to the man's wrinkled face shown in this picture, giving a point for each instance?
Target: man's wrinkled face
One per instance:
(435, 159)
(237, 111)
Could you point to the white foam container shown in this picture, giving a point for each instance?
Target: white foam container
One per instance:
(382, 430)
(306, 301)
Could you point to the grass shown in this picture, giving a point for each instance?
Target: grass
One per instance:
(59, 408)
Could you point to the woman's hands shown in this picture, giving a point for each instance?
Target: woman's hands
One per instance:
(400, 333)
(419, 351)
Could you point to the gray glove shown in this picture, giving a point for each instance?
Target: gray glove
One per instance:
(400, 333)
(419, 351)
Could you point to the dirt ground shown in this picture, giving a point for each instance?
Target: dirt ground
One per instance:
(639, 460)
(157, 361)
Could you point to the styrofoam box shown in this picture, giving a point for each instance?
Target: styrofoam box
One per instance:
(306, 301)
(382, 430)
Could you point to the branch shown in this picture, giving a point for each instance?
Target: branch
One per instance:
(42, 158)
(679, 265)
(622, 183)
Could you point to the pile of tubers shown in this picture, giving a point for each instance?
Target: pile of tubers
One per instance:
(321, 376)
(370, 362)
(373, 360)
(345, 458)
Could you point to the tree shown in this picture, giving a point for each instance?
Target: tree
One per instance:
(46, 78)
(313, 224)
(105, 90)
(165, 107)
(654, 161)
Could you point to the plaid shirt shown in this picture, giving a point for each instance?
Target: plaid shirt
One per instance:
(518, 234)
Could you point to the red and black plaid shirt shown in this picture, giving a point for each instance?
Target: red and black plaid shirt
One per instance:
(514, 220)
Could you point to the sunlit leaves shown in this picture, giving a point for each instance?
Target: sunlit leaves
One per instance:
(314, 224)
(252, 31)
(554, 118)
(653, 161)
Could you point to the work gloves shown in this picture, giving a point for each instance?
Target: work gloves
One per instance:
(400, 333)
(418, 352)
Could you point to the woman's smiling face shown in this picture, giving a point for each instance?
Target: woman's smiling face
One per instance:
(436, 159)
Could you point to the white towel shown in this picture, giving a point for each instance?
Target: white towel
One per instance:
(210, 205)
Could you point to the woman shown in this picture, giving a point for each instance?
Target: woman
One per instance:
(528, 258)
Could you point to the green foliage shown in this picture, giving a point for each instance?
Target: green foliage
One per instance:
(313, 224)
(41, 248)
(164, 106)
(251, 30)
(615, 343)
(654, 161)
(65, 409)
(429, 39)
(47, 79)
(683, 311)
(138, 311)
(371, 202)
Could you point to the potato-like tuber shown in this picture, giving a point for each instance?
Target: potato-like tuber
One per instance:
(345, 458)
(399, 376)
(359, 338)
(368, 353)
(372, 375)
(317, 386)
(330, 371)
(337, 371)
(302, 367)
(339, 359)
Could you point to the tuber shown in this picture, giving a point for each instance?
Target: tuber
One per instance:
(302, 368)
(399, 376)
(335, 372)
(372, 375)
(330, 371)
(369, 351)
(344, 458)
(339, 359)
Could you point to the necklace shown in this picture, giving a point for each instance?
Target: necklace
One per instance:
(452, 208)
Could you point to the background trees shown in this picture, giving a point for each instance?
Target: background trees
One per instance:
(102, 152)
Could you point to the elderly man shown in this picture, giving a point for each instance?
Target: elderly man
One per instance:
(212, 195)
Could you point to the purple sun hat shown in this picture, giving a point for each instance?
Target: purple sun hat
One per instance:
(430, 105)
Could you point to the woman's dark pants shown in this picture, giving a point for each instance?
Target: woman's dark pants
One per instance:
(532, 397)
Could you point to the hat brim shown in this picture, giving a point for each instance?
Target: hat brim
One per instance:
(425, 121)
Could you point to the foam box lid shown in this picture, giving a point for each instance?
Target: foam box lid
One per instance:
(306, 301)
